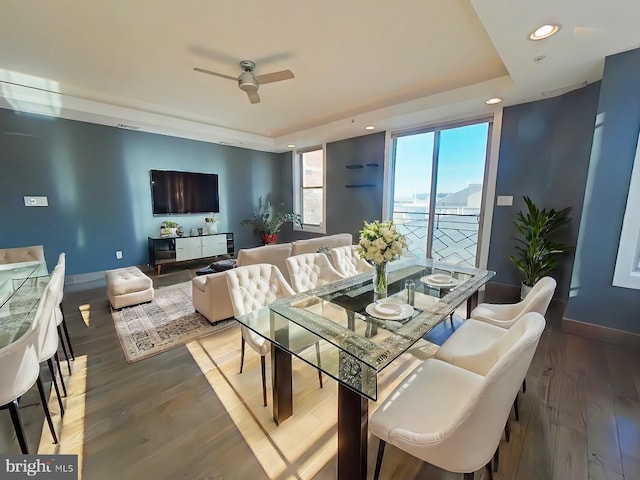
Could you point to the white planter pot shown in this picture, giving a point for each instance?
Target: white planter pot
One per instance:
(212, 228)
(524, 290)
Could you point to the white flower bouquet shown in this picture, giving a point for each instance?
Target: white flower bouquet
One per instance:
(380, 242)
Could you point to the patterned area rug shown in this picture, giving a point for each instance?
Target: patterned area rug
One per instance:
(167, 322)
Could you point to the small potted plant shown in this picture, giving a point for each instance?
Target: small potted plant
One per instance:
(269, 220)
(211, 224)
(168, 228)
(537, 252)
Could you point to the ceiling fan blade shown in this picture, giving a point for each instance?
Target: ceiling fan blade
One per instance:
(253, 96)
(209, 72)
(274, 77)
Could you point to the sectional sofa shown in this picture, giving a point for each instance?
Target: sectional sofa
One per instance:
(210, 293)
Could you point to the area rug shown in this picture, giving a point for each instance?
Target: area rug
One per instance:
(167, 322)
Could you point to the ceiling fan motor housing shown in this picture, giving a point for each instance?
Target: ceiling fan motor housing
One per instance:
(247, 82)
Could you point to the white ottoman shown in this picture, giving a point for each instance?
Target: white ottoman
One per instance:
(128, 286)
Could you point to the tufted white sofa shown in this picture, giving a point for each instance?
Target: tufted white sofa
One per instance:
(33, 253)
(210, 292)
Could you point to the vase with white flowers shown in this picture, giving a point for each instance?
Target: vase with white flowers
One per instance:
(381, 243)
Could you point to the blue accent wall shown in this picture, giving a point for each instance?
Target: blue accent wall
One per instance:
(347, 207)
(593, 299)
(355, 194)
(544, 154)
(97, 182)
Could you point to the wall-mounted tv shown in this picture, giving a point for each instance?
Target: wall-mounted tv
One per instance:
(184, 192)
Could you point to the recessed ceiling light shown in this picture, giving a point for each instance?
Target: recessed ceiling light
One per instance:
(493, 101)
(291, 145)
(544, 31)
(370, 127)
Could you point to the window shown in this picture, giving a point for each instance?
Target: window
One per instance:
(438, 189)
(309, 184)
(627, 270)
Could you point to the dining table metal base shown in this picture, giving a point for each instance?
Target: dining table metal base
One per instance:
(353, 416)
(353, 428)
(282, 384)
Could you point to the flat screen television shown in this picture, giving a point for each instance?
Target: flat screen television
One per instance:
(184, 192)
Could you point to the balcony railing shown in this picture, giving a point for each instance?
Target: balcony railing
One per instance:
(455, 235)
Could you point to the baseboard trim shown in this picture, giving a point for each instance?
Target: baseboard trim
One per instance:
(83, 278)
(603, 334)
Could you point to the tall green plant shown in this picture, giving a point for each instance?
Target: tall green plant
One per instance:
(537, 252)
(269, 219)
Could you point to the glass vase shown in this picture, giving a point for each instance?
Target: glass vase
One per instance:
(380, 280)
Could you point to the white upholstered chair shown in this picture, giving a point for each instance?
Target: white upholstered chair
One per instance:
(19, 370)
(44, 324)
(347, 261)
(488, 323)
(310, 270)
(22, 254)
(20, 363)
(462, 413)
(63, 332)
(250, 288)
(505, 315)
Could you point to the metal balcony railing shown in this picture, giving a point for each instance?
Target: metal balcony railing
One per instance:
(455, 235)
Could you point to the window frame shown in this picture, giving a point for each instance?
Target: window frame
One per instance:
(298, 188)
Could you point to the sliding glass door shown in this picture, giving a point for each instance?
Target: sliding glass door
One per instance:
(438, 189)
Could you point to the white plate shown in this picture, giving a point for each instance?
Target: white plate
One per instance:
(440, 280)
(405, 311)
(388, 308)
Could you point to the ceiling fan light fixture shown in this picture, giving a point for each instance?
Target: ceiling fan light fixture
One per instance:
(370, 127)
(247, 82)
(544, 31)
(493, 101)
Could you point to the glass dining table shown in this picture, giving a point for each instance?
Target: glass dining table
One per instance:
(21, 287)
(359, 336)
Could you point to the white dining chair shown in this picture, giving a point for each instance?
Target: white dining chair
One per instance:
(47, 340)
(461, 412)
(347, 261)
(61, 324)
(311, 270)
(505, 315)
(33, 253)
(250, 288)
(19, 371)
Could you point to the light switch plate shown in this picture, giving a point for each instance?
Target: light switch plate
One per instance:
(36, 202)
(504, 200)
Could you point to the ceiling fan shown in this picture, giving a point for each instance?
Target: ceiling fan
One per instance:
(248, 81)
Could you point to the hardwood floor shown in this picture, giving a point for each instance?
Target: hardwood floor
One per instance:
(188, 414)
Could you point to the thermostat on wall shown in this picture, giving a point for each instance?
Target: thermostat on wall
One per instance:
(36, 202)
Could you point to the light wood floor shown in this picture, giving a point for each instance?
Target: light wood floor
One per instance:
(188, 414)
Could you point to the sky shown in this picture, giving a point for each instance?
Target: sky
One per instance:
(461, 160)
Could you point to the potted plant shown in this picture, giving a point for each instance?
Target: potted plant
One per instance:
(168, 228)
(268, 221)
(537, 252)
(212, 224)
